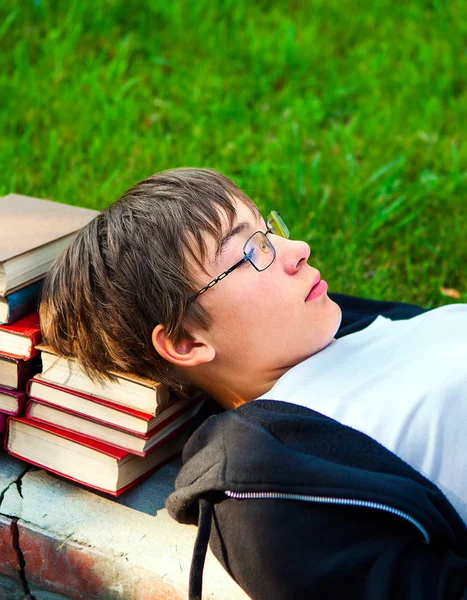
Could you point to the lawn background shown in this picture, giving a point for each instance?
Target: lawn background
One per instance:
(348, 117)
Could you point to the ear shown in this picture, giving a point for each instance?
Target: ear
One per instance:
(187, 353)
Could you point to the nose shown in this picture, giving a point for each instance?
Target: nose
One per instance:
(292, 254)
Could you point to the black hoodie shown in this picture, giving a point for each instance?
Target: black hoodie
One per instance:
(299, 507)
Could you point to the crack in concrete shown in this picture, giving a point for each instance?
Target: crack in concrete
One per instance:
(22, 562)
(18, 482)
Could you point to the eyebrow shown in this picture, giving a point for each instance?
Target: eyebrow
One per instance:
(239, 228)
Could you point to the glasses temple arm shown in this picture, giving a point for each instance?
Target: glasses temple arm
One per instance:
(217, 279)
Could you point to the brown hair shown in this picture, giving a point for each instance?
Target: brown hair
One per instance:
(128, 270)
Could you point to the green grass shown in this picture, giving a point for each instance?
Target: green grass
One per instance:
(347, 117)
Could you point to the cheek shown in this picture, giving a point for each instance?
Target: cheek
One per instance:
(266, 313)
(260, 300)
(245, 311)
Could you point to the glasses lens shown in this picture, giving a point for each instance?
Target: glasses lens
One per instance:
(260, 251)
(276, 224)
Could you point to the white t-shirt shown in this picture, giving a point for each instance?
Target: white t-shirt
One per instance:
(403, 383)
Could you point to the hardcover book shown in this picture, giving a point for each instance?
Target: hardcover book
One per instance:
(20, 338)
(102, 411)
(127, 390)
(12, 402)
(36, 411)
(33, 233)
(82, 459)
(15, 372)
(21, 303)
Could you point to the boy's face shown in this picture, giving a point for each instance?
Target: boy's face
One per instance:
(266, 320)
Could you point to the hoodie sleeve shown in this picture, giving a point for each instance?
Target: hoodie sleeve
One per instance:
(291, 550)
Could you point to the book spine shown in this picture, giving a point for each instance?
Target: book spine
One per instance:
(2, 423)
(23, 370)
(21, 399)
(23, 302)
(26, 370)
(35, 338)
(5, 439)
(144, 476)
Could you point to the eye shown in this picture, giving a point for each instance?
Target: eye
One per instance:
(264, 246)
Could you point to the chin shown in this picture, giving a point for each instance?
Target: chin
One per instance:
(338, 317)
(332, 327)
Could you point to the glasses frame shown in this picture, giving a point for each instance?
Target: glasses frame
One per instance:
(276, 226)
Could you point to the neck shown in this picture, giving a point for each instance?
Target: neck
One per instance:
(232, 384)
(233, 391)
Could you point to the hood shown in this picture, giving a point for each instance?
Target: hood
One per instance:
(270, 446)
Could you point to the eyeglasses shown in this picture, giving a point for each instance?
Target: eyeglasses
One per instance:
(258, 250)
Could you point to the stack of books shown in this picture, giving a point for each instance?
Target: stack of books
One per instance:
(32, 233)
(18, 362)
(105, 435)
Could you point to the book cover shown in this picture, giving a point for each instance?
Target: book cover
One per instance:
(12, 402)
(3, 419)
(31, 226)
(144, 395)
(64, 462)
(131, 377)
(103, 411)
(21, 303)
(39, 380)
(20, 338)
(83, 440)
(139, 445)
(16, 372)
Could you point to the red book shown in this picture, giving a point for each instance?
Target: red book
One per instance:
(82, 459)
(103, 411)
(12, 402)
(15, 372)
(136, 444)
(126, 389)
(2, 424)
(18, 339)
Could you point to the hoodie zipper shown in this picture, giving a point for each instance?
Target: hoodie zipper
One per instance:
(330, 500)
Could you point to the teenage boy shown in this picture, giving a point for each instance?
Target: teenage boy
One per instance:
(183, 281)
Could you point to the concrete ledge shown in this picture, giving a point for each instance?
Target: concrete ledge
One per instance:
(10, 565)
(76, 571)
(73, 543)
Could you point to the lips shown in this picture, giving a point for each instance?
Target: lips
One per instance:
(317, 289)
(315, 283)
